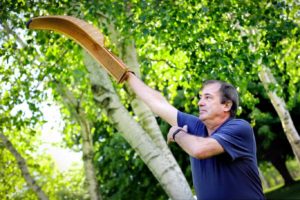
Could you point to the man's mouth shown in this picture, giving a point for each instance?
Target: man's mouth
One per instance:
(202, 111)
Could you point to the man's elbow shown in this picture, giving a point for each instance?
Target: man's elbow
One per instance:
(207, 149)
(157, 103)
(200, 153)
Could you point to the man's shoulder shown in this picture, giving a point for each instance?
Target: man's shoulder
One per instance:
(184, 115)
(238, 121)
(238, 124)
(194, 123)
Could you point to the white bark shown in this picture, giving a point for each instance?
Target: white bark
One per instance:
(146, 118)
(87, 144)
(106, 98)
(145, 115)
(267, 78)
(87, 147)
(23, 167)
(21, 161)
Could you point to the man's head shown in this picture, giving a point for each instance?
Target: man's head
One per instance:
(218, 99)
(228, 94)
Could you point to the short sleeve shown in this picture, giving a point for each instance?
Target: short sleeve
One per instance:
(237, 139)
(195, 126)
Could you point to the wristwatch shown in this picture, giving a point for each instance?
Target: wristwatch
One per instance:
(175, 132)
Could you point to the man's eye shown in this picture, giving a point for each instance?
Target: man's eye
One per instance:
(204, 97)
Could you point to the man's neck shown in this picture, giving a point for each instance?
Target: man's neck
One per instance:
(214, 125)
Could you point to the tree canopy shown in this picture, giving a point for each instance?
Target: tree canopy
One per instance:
(178, 44)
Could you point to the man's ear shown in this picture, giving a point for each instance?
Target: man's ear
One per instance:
(228, 105)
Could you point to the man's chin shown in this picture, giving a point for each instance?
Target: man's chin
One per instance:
(201, 117)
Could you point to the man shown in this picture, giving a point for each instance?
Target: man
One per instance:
(222, 149)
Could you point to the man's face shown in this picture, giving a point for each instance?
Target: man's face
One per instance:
(210, 107)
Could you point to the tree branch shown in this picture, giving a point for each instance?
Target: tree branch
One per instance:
(169, 63)
(24, 169)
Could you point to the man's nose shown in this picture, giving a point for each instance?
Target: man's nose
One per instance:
(200, 103)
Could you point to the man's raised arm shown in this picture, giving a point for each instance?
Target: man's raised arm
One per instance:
(154, 99)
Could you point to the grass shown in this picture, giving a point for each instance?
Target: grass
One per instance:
(290, 192)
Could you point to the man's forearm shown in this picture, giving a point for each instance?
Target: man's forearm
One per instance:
(154, 99)
(144, 92)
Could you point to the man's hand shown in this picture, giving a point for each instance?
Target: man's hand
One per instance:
(174, 131)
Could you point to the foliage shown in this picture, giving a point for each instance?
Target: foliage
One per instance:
(293, 167)
(57, 185)
(121, 173)
(27, 73)
(290, 192)
(180, 44)
(272, 176)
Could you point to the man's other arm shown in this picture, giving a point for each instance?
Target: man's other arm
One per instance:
(154, 99)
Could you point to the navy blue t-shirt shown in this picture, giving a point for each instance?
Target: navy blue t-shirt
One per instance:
(231, 175)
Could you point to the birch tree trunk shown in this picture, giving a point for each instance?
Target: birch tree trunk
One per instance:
(267, 78)
(24, 169)
(128, 54)
(147, 120)
(144, 113)
(87, 143)
(106, 98)
(7, 143)
(87, 146)
(130, 58)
